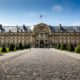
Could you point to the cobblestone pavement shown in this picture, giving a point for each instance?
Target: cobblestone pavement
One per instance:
(40, 64)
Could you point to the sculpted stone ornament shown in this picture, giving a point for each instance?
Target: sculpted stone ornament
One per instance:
(42, 28)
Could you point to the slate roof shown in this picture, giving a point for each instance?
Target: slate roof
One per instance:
(24, 28)
(77, 28)
(16, 28)
(65, 28)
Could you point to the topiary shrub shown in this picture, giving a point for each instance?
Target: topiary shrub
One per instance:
(17, 47)
(58, 46)
(21, 46)
(3, 49)
(66, 47)
(77, 49)
(28, 46)
(70, 47)
(55, 45)
(11, 48)
(63, 47)
(25, 46)
(8, 45)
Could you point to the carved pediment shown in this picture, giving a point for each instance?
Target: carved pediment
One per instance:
(41, 28)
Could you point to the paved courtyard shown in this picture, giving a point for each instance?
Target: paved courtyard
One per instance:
(40, 64)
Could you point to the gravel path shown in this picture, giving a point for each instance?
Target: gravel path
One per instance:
(40, 64)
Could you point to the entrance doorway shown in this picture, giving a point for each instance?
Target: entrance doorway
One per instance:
(41, 44)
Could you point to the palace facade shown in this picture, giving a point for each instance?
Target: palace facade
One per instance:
(42, 35)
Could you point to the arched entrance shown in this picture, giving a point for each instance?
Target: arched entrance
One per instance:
(41, 44)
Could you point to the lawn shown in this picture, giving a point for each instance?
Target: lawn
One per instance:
(4, 52)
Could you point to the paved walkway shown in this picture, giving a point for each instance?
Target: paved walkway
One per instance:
(71, 54)
(40, 64)
(12, 54)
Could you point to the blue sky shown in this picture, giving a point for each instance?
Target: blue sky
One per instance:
(55, 12)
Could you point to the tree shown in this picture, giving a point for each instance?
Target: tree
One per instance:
(17, 47)
(77, 49)
(20, 46)
(63, 47)
(55, 45)
(25, 46)
(3, 49)
(58, 46)
(28, 46)
(70, 47)
(11, 48)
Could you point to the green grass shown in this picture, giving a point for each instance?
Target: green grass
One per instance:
(4, 52)
(0, 49)
(7, 50)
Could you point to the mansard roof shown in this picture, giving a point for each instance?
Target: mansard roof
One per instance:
(16, 28)
(24, 28)
(65, 28)
(77, 28)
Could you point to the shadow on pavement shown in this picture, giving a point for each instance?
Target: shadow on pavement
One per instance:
(1, 55)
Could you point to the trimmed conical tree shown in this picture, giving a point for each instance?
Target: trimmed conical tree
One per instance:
(55, 45)
(21, 46)
(58, 46)
(63, 47)
(28, 46)
(3, 49)
(70, 47)
(11, 48)
(17, 46)
(25, 46)
(77, 49)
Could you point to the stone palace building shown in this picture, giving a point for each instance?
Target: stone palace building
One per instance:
(42, 35)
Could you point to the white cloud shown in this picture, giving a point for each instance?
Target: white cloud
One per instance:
(58, 8)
